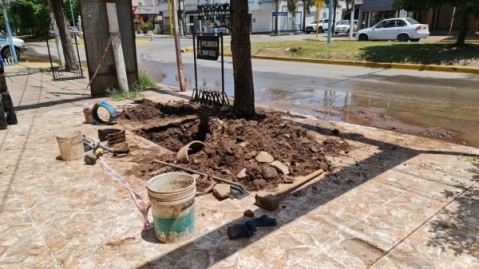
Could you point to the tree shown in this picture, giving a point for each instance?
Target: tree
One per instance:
(243, 105)
(70, 59)
(276, 18)
(465, 10)
(292, 5)
(307, 4)
(29, 17)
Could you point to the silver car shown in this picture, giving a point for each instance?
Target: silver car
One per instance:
(343, 26)
(402, 29)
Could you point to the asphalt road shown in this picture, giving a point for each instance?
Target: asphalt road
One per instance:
(441, 100)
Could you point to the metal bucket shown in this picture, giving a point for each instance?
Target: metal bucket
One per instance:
(172, 199)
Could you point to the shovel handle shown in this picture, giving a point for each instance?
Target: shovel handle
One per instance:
(299, 181)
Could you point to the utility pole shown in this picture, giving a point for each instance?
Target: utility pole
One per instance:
(330, 18)
(116, 44)
(351, 20)
(179, 62)
(13, 52)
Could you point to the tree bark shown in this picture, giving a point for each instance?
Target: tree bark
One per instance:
(243, 105)
(68, 52)
(461, 37)
(276, 9)
(334, 16)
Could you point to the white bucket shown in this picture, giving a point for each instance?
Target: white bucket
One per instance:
(172, 199)
(71, 145)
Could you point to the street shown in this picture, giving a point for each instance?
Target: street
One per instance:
(435, 104)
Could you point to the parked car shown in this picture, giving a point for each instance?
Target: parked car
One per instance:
(401, 29)
(343, 26)
(5, 47)
(322, 25)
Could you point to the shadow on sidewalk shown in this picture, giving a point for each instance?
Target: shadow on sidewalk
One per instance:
(214, 246)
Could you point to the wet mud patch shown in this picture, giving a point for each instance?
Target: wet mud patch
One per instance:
(383, 121)
(235, 149)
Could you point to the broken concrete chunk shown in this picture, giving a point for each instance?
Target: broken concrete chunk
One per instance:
(242, 173)
(264, 157)
(221, 191)
(269, 172)
(281, 167)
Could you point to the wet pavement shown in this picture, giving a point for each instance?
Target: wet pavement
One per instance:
(444, 102)
(411, 101)
(393, 201)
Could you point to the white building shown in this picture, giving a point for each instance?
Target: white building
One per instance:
(262, 14)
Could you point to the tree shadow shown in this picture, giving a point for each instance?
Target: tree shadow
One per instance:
(421, 53)
(456, 226)
(214, 246)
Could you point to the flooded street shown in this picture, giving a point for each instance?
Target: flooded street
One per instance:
(433, 104)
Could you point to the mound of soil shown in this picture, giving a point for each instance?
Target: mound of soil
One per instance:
(148, 110)
(232, 146)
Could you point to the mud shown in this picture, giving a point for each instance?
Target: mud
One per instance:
(232, 145)
(383, 121)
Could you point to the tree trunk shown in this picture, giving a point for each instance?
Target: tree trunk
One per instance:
(304, 16)
(334, 17)
(461, 37)
(243, 105)
(68, 52)
(276, 19)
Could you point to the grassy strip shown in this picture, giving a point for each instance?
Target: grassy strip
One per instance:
(440, 53)
(144, 82)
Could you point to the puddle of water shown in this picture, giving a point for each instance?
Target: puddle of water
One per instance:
(440, 116)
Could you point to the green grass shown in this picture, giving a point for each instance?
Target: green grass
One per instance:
(144, 81)
(118, 95)
(441, 53)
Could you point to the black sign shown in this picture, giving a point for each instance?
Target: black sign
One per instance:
(208, 47)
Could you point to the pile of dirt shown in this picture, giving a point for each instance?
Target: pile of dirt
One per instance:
(242, 150)
(147, 110)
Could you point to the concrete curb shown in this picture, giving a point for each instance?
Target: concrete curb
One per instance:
(419, 67)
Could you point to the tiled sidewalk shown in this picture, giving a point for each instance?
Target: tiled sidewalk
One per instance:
(408, 202)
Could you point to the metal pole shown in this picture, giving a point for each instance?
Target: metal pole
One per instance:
(13, 52)
(222, 67)
(330, 18)
(194, 60)
(73, 16)
(50, 57)
(351, 20)
(452, 20)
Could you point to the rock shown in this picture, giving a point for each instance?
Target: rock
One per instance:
(242, 173)
(268, 172)
(264, 157)
(250, 155)
(221, 191)
(281, 167)
(287, 135)
(243, 144)
(248, 213)
(324, 165)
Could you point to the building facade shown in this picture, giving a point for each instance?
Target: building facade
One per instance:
(262, 15)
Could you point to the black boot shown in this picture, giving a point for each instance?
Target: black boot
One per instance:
(9, 109)
(3, 119)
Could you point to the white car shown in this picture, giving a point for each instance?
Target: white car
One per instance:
(402, 29)
(322, 26)
(343, 26)
(5, 47)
